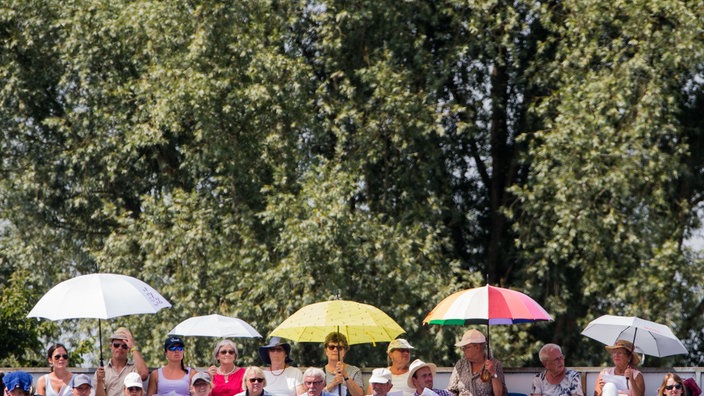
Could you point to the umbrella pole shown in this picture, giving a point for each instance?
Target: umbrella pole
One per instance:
(100, 342)
(339, 386)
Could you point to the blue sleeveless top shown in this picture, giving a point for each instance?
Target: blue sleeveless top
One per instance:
(180, 387)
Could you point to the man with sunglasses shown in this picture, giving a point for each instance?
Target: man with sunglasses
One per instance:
(109, 380)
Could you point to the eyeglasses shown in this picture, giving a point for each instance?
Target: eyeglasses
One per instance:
(64, 356)
(227, 352)
(402, 350)
(276, 349)
(671, 387)
(134, 389)
(253, 380)
(120, 345)
(313, 383)
(176, 348)
(336, 347)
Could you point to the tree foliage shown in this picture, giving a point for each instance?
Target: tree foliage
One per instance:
(250, 158)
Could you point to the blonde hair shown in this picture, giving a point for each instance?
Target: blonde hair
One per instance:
(248, 373)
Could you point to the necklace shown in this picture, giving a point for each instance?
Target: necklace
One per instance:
(226, 375)
(276, 375)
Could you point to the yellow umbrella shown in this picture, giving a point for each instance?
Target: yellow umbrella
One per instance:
(360, 323)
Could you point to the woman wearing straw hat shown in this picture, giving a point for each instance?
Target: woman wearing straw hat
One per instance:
(623, 378)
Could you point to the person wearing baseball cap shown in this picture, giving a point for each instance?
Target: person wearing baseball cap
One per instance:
(399, 354)
(421, 376)
(476, 374)
(18, 383)
(81, 385)
(175, 376)
(109, 380)
(380, 381)
(201, 384)
(133, 385)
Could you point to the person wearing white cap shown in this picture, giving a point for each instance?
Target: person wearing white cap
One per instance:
(421, 376)
(475, 374)
(81, 385)
(556, 379)
(399, 352)
(380, 381)
(133, 385)
(109, 380)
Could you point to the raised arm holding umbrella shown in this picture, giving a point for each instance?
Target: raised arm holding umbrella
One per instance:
(337, 372)
(109, 380)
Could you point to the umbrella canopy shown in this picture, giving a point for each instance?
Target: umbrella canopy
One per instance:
(215, 326)
(360, 323)
(487, 305)
(648, 337)
(98, 296)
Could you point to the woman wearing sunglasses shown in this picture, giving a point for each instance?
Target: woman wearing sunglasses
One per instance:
(338, 374)
(175, 376)
(227, 379)
(672, 385)
(254, 382)
(56, 383)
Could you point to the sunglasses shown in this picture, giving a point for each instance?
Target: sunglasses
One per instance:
(671, 387)
(64, 356)
(120, 345)
(227, 352)
(134, 389)
(277, 349)
(336, 347)
(253, 380)
(176, 348)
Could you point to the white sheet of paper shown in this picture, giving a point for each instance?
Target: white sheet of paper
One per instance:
(618, 380)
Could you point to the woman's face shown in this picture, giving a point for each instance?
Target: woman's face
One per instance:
(400, 356)
(255, 383)
(227, 354)
(59, 358)
(175, 352)
(673, 388)
(331, 352)
(277, 354)
(621, 357)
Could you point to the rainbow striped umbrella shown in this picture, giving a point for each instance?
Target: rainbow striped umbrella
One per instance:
(487, 305)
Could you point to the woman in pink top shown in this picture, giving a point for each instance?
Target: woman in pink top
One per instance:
(625, 360)
(227, 379)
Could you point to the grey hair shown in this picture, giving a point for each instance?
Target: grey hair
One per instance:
(221, 344)
(547, 348)
(314, 372)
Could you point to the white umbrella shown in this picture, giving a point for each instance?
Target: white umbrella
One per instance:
(215, 326)
(98, 296)
(648, 337)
